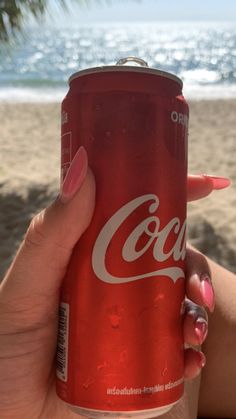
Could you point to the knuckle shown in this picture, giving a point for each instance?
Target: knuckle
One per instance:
(195, 310)
(196, 260)
(40, 239)
(35, 235)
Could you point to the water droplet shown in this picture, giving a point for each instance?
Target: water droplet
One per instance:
(123, 356)
(164, 371)
(115, 320)
(88, 383)
(101, 366)
(115, 316)
(159, 297)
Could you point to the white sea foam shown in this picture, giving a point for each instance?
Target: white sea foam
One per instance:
(32, 95)
(214, 92)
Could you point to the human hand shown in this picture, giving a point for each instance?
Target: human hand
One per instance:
(29, 297)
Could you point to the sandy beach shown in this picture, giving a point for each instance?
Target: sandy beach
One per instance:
(29, 173)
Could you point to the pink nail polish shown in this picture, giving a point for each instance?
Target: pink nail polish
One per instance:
(201, 330)
(207, 292)
(219, 182)
(75, 175)
(201, 360)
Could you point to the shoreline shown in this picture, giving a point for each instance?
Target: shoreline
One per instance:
(58, 102)
(192, 91)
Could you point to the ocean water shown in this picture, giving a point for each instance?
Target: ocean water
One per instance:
(202, 54)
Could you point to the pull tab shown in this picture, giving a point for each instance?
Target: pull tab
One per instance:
(134, 60)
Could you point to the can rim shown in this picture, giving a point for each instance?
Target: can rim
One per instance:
(114, 68)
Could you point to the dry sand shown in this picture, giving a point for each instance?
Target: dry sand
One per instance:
(29, 173)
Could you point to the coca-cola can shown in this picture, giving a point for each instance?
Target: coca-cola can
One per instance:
(120, 340)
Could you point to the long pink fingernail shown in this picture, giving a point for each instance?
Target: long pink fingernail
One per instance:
(207, 292)
(75, 175)
(219, 182)
(201, 329)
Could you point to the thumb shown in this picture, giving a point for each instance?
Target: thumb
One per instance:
(35, 276)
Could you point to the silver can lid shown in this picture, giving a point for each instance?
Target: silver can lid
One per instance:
(124, 64)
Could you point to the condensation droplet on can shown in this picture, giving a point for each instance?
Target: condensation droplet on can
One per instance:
(159, 297)
(115, 320)
(164, 371)
(87, 383)
(101, 366)
(123, 357)
(114, 315)
(158, 300)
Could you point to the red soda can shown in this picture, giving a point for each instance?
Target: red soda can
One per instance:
(120, 339)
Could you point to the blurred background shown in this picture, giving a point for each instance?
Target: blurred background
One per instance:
(44, 42)
(196, 40)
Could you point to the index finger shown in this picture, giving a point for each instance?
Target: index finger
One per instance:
(199, 186)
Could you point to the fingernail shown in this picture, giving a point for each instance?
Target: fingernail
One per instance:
(207, 292)
(201, 360)
(219, 182)
(75, 175)
(201, 329)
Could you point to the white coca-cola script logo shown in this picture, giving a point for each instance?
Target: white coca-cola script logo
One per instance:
(129, 253)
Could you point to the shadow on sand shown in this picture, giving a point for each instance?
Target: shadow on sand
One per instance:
(16, 213)
(203, 236)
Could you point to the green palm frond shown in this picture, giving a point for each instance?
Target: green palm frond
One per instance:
(13, 13)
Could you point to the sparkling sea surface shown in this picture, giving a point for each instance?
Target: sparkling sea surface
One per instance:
(202, 54)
